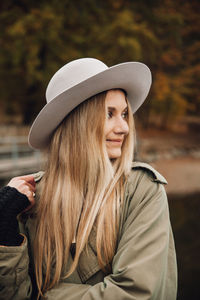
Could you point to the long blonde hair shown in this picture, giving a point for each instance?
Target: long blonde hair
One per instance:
(81, 188)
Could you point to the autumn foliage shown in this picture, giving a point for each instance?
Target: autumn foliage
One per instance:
(38, 37)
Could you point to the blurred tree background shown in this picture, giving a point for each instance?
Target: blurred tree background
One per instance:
(38, 37)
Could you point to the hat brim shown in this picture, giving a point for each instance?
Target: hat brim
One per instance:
(133, 77)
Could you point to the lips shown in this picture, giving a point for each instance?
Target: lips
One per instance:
(115, 141)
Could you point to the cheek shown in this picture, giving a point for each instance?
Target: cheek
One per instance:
(107, 128)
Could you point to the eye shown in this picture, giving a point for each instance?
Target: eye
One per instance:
(125, 114)
(109, 114)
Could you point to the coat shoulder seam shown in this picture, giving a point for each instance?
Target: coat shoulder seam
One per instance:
(154, 175)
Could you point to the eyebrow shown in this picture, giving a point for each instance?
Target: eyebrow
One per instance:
(111, 108)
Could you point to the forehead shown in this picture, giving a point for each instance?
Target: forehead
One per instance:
(116, 98)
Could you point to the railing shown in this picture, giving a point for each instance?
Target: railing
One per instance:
(17, 158)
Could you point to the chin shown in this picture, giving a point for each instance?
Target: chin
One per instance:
(113, 155)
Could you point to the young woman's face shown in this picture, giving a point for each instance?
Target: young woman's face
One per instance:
(116, 126)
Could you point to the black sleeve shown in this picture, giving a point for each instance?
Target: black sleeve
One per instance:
(12, 202)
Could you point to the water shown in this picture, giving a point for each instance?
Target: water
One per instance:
(185, 212)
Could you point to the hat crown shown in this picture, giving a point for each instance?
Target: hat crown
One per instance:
(72, 74)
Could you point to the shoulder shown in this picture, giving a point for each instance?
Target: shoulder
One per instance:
(144, 184)
(144, 173)
(145, 197)
(144, 168)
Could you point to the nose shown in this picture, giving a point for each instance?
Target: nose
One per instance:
(121, 126)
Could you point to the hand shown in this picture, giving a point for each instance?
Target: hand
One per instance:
(26, 186)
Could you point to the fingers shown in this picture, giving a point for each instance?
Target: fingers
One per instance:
(31, 198)
(28, 178)
(32, 188)
(25, 185)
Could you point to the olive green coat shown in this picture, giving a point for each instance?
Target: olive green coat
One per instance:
(144, 265)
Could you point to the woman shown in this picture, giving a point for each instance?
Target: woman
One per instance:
(94, 225)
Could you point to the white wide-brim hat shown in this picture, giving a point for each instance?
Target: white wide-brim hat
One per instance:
(78, 81)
